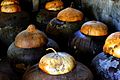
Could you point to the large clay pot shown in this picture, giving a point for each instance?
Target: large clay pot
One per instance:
(64, 25)
(29, 46)
(58, 66)
(12, 20)
(87, 42)
(49, 11)
(107, 63)
(81, 72)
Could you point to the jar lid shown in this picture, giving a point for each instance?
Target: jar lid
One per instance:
(9, 2)
(11, 8)
(94, 28)
(57, 63)
(70, 15)
(54, 5)
(112, 44)
(31, 38)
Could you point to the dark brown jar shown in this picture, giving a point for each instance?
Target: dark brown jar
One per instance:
(64, 25)
(12, 20)
(87, 42)
(29, 46)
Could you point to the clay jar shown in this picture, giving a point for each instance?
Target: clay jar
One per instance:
(87, 42)
(106, 63)
(29, 46)
(12, 20)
